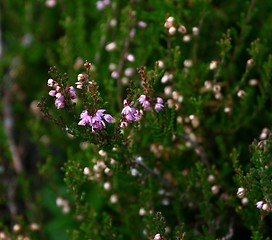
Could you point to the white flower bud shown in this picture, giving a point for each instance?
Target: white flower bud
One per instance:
(113, 22)
(182, 29)
(160, 64)
(213, 65)
(227, 109)
(170, 19)
(86, 171)
(241, 93)
(172, 30)
(180, 99)
(179, 119)
(80, 77)
(111, 46)
(170, 103)
(250, 62)
(34, 227)
(253, 82)
(59, 201)
(266, 207)
(108, 171)
(134, 172)
(107, 186)
(130, 58)
(195, 31)
(216, 88)
(218, 95)
(16, 228)
(188, 63)
(165, 78)
(241, 192)
(245, 201)
(264, 134)
(168, 91)
(102, 153)
(208, 84)
(175, 95)
(114, 198)
(112, 66)
(142, 212)
(66, 209)
(186, 38)
(211, 178)
(215, 189)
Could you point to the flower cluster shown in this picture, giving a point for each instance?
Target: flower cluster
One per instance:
(130, 114)
(82, 81)
(263, 205)
(96, 121)
(146, 103)
(169, 24)
(60, 93)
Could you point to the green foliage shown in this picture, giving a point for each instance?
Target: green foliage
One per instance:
(200, 168)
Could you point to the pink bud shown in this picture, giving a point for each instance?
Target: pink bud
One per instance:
(52, 93)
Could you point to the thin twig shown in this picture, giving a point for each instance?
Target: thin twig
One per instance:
(124, 54)
(11, 194)
(8, 125)
(152, 173)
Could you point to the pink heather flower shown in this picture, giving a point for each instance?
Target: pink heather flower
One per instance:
(57, 88)
(100, 5)
(157, 237)
(52, 93)
(159, 105)
(146, 105)
(129, 72)
(131, 114)
(141, 99)
(144, 102)
(83, 122)
(79, 85)
(72, 92)
(259, 204)
(95, 121)
(142, 24)
(108, 118)
(85, 118)
(159, 100)
(59, 93)
(100, 112)
(59, 102)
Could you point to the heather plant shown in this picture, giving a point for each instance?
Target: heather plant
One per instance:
(136, 120)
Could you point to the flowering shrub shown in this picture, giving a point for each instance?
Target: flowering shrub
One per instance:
(164, 134)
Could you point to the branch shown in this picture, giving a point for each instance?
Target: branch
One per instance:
(151, 172)
(8, 125)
